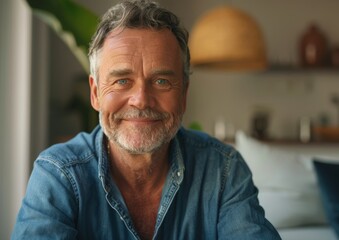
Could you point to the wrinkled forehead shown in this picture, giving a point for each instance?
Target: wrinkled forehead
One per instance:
(157, 44)
(133, 48)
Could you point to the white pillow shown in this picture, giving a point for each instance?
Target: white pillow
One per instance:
(287, 184)
(285, 209)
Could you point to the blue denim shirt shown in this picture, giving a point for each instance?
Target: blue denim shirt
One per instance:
(208, 194)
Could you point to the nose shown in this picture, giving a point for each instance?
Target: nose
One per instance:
(141, 98)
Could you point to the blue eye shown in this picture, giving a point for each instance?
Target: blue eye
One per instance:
(122, 82)
(162, 82)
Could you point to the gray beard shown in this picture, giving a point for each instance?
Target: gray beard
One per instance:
(136, 140)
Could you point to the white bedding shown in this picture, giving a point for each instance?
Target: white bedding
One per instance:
(307, 233)
(288, 190)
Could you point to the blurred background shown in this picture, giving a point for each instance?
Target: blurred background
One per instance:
(45, 97)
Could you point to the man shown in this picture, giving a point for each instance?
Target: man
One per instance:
(139, 175)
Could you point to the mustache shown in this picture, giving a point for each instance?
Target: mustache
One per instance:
(138, 113)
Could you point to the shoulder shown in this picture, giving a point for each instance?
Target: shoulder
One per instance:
(200, 141)
(211, 159)
(200, 150)
(80, 149)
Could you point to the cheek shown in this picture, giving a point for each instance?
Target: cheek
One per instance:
(174, 104)
(111, 102)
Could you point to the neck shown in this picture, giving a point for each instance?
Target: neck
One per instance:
(139, 172)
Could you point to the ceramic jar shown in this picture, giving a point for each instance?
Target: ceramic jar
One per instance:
(313, 48)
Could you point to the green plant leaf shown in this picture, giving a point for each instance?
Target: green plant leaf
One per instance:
(73, 23)
(195, 126)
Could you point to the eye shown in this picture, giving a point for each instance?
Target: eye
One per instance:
(162, 83)
(122, 84)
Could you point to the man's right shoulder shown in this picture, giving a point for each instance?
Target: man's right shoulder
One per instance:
(78, 150)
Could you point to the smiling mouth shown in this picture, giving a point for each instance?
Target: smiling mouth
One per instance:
(141, 120)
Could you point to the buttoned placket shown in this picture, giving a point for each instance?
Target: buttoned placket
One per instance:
(172, 185)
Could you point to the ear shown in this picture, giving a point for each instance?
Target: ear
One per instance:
(94, 93)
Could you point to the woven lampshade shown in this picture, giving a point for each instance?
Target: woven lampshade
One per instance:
(227, 38)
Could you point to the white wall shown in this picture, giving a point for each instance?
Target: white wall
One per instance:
(15, 23)
(235, 98)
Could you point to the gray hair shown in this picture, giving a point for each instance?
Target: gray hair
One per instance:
(138, 14)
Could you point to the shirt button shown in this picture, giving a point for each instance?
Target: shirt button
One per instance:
(178, 174)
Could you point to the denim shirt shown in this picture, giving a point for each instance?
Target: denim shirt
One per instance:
(208, 194)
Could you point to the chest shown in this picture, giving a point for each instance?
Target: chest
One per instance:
(144, 211)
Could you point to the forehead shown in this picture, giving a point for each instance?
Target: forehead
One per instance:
(147, 42)
(141, 35)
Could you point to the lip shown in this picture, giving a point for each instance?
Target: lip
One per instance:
(141, 120)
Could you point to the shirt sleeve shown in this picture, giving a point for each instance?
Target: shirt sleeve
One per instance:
(49, 207)
(240, 216)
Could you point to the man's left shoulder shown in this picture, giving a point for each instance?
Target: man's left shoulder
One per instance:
(201, 141)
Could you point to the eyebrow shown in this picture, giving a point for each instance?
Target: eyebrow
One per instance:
(120, 72)
(123, 72)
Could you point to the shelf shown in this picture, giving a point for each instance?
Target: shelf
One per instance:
(286, 69)
(298, 142)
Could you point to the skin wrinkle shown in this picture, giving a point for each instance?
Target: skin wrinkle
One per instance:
(112, 35)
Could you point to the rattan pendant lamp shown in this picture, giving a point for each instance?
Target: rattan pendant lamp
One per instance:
(229, 39)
